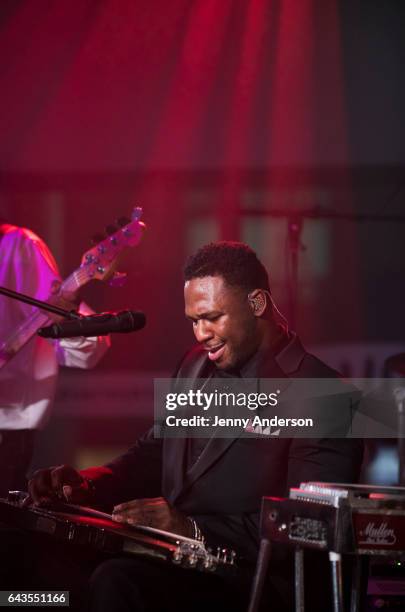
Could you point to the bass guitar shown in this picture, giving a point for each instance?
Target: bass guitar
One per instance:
(96, 264)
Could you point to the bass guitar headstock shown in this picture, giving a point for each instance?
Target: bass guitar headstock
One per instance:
(98, 262)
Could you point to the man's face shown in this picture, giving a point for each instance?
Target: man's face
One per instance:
(223, 321)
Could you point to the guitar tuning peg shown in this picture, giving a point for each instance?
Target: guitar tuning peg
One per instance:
(136, 213)
(97, 238)
(111, 229)
(122, 221)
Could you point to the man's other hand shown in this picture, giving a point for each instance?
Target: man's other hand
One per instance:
(155, 512)
(61, 483)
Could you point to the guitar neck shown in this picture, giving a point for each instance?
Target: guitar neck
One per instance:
(37, 319)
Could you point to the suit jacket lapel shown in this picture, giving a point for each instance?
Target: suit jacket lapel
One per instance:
(216, 445)
(175, 449)
(215, 448)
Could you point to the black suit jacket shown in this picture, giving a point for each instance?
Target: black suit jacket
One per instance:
(223, 490)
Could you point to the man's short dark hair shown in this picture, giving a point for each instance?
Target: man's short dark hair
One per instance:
(236, 262)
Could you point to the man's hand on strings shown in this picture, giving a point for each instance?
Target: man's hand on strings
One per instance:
(155, 512)
(60, 483)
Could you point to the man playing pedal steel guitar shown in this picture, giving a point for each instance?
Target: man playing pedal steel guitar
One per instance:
(209, 488)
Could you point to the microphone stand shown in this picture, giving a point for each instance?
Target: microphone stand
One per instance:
(295, 226)
(295, 220)
(399, 397)
(21, 297)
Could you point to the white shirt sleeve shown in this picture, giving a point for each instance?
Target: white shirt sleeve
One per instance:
(82, 352)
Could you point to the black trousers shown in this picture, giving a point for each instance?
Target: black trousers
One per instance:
(106, 583)
(98, 582)
(135, 585)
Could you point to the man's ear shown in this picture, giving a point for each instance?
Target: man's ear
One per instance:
(258, 302)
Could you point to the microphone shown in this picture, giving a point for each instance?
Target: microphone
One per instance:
(96, 325)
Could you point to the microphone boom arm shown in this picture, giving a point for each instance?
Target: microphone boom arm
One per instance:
(21, 297)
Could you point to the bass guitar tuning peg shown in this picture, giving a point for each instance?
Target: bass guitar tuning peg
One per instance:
(98, 238)
(136, 213)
